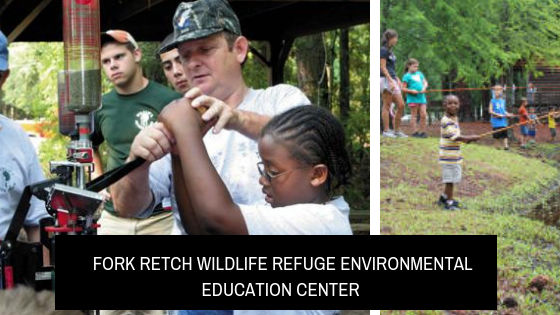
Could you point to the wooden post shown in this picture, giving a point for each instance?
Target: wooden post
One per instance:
(279, 50)
(25, 23)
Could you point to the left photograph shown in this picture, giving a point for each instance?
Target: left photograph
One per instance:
(179, 118)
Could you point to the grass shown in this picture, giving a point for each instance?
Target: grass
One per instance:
(497, 186)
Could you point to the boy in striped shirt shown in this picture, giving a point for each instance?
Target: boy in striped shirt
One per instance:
(450, 151)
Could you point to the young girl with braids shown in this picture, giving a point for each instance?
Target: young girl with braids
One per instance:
(303, 162)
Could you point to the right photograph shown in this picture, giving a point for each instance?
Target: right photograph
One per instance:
(469, 102)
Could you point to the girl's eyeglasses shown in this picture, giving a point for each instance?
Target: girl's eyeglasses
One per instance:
(269, 176)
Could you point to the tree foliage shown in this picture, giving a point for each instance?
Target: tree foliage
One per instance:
(479, 41)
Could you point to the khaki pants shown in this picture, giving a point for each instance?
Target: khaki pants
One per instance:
(122, 312)
(160, 224)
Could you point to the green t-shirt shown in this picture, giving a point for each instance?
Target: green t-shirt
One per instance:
(121, 118)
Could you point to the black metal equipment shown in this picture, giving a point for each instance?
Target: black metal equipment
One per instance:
(72, 210)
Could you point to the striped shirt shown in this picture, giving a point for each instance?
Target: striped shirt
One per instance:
(449, 149)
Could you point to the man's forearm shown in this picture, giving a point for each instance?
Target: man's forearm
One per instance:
(251, 124)
(132, 194)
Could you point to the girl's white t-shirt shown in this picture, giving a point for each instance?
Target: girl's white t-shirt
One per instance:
(330, 218)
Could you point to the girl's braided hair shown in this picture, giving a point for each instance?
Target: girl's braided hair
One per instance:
(314, 136)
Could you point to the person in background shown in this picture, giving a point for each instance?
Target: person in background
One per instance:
(19, 166)
(532, 125)
(133, 105)
(499, 115)
(552, 123)
(523, 121)
(172, 66)
(414, 84)
(390, 86)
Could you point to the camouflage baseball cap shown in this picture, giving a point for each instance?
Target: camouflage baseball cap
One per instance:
(202, 18)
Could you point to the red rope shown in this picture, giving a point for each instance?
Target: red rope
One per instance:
(547, 87)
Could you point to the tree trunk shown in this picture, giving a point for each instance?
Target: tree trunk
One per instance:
(344, 95)
(466, 111)
(311, 72)
(486, 97)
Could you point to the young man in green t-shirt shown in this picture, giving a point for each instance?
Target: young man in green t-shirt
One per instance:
(133, 104)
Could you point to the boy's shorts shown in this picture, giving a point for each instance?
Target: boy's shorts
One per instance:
(532, 133)
(499, 135)
(553, 132)
(524, 130)
(385, 85)
(451, 173)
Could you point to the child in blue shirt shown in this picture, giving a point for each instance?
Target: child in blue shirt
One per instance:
(497, 110)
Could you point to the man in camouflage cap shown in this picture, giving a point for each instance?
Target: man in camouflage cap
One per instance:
(194, 20)
(208, 36)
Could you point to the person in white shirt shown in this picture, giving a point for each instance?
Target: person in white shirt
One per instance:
(212, 51)
(19, 166)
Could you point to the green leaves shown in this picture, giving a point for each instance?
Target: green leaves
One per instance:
(480, 40)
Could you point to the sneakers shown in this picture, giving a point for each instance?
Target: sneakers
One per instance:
(389, 134)
(420, 135)
(400, 134)
(453, 205)
(442, 201)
